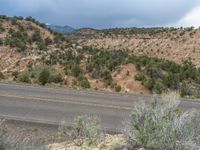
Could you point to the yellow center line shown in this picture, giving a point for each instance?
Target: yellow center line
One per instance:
(46, 99)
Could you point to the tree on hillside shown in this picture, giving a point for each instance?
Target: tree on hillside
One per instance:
(44, 76)
(1, 41)
(36, 37)
(76, 70)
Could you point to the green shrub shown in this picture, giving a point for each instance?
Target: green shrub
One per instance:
(84, 130)
(161, 125)
(15, 74)
(44, 76)
(30, 19)
(155, 73)
(149, 83)
(118, 88)
(186, 90)
(102, 63)
(74, 83)
(36, 36)
(56, 78)
(1, 41)
(1, 27)
(158, 87)
(2, 76)
(171, 81)
(48, 41)
(76, 70)
(21, 46)
(127, 73)
(24, 77)
(41, 45)
(58, 38)
(139, 77)
(83, 82)
(17, 39)
(183, 92)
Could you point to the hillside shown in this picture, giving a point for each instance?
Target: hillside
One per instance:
(174, 44)
(24, 42)
(28, 47)
(30, 52)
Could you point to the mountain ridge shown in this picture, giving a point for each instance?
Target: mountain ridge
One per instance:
(61, 29)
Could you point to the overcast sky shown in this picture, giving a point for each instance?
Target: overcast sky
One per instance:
(107, 13)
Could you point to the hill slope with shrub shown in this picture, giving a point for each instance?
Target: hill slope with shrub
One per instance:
(32, 53)
(174, 44)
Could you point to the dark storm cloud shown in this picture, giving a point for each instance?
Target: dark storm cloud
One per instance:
(101, 13)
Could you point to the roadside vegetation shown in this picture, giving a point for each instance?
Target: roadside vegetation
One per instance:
(161, 75)
(40, 75)
(158, 125)
(158, 75)
(86, 130)
(18, 141)
(162, 125)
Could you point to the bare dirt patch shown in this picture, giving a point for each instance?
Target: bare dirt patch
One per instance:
(125, 77)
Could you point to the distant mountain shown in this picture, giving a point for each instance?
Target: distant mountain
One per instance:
(61, 29)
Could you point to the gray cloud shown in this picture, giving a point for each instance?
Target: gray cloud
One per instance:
(101, 13)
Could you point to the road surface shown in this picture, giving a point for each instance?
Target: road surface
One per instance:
(52, 105)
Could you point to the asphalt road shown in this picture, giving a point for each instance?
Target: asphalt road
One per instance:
(53, 105)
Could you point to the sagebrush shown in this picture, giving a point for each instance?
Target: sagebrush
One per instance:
(161, 125)
(86, 129)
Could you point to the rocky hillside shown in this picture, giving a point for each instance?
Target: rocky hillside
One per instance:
(27, 47)
(174, 44)
(23, 42)
(119, 60)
